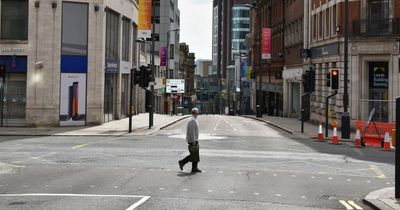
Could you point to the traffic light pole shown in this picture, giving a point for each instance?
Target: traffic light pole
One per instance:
(151, 104)
(131, 101)
(346, 115)
(326, 112)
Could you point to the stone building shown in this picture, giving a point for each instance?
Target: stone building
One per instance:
(68, 62)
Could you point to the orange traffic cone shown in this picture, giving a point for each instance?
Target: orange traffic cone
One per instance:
(335, 138)
(357, 140)
(320, 135)
(386, 143)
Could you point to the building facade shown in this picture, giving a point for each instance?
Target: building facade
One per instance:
(293, 69)
(187, 72)
(67, 62)
(374, 29)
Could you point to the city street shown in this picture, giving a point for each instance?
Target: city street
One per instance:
(245, 163)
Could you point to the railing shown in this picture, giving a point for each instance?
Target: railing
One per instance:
(368, 27)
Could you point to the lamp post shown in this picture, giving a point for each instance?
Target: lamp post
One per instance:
(167, 67)
(259, 104)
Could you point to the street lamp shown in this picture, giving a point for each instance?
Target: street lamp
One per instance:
(167, 68)
(259, 103)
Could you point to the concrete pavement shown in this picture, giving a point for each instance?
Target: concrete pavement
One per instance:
(140, 124)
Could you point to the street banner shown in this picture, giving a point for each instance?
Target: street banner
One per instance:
(266, 43)
(249, 72)
(163, 56)
(145, 12)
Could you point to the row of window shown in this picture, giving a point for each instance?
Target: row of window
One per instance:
(324, 24)
(294, 33)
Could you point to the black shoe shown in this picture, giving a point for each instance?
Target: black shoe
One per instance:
(196, 170)
(181, 164)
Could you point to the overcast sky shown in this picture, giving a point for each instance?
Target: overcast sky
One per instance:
(196, 26)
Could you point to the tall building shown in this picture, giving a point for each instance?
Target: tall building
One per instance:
(202, 67)
(67, 62)
(187, 72)
(374, 30)
(231, 23)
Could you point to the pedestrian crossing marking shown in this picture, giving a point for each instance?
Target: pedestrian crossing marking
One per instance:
(350, 204)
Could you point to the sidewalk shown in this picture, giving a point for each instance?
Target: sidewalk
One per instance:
(293, 126)
(382, 199)
(140, 124)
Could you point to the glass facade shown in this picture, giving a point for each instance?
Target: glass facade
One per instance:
(240, 28)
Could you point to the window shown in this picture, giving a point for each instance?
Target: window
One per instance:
(134, 46)
(334, 21)
(126, 26)
(327, 23)
(314, 25)
(320, 28)
(14, 19)
(112, 35)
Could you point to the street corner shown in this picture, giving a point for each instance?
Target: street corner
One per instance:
(382, 199)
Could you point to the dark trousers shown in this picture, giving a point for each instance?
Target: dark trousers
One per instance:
(194, 156)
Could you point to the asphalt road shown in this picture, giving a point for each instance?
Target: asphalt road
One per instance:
(247, 165)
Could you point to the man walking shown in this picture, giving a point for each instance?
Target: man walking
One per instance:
(192, 137)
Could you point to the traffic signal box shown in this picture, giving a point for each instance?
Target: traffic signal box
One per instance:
(2, 70)
(309, 81)
(334, 79)
(142, 77)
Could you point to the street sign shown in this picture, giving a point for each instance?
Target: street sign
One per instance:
(175, 86)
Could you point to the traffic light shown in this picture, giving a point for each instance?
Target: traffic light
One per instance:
(328, 79)
(335, 79)
(136, 76)
(145, 76)
(309, 81)
(2, 70)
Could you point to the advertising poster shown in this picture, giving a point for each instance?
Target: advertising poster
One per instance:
(145, 11)
(163, 56)
(73, 99)
(266, 43)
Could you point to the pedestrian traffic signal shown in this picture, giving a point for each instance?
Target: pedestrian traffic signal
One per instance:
(2, 70)
(334, 79)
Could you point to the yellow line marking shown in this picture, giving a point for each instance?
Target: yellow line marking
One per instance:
(355, 205)
(79, 146)
(348, 207)
(378, 171)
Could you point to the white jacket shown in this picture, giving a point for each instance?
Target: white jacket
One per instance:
(192, 132)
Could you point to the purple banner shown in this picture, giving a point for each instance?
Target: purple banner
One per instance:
(163, 56)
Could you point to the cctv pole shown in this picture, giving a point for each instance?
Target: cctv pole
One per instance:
(346, 115)
(151, 104)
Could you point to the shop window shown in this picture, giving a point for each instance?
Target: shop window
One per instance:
(126, 26)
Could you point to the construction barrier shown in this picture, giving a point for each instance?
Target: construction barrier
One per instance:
(394, 137)
(373, 134)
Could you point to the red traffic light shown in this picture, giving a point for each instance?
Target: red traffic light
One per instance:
(2, 68)
(335, 72)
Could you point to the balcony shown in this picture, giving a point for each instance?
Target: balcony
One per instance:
(379, 27)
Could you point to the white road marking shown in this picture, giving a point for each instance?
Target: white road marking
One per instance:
(115, 187)
(239, 172)
(162, 188)
(79, 146)
(330, 178)
(355, 205)
(349, 180)
(368, 181)
(257, 173)
(92, 186)
(135, 205)
(278, 195)
(388, 183)
(230, 124)
(216, 126)
(378, 172)
(293, 176)
(221, 172)
(210, 191)
(304, 197)
(345, 204)
(185, 190)
(312, 177)
(231, 192)
(275, 174)
(256, 193)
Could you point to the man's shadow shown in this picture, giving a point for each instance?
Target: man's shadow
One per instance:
(185, 173)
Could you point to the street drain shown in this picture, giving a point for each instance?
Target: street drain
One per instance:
(17, 203)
